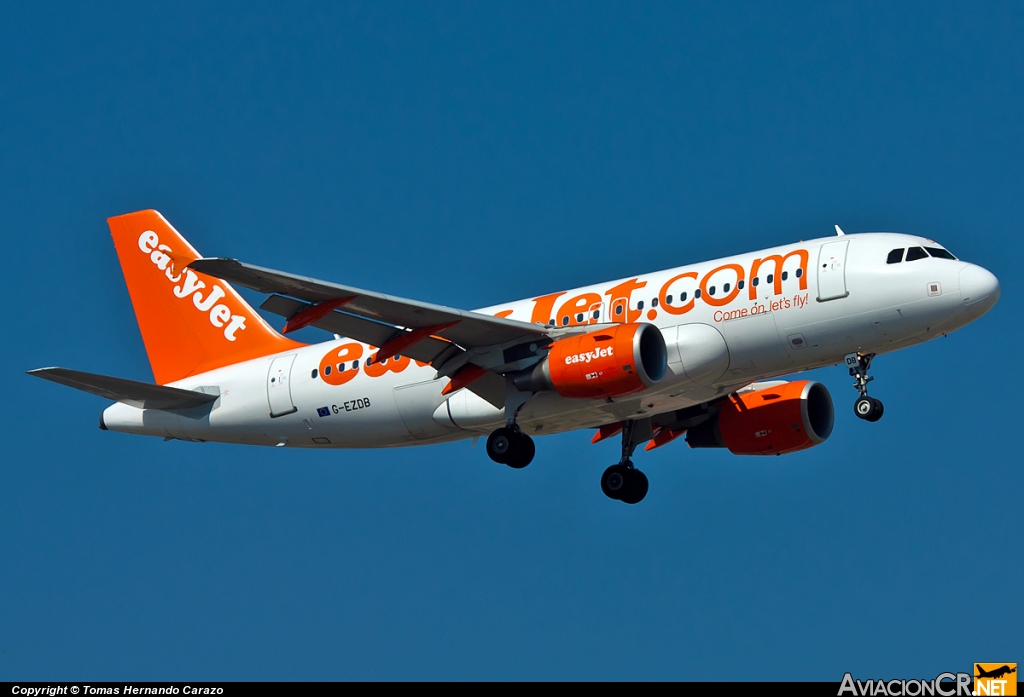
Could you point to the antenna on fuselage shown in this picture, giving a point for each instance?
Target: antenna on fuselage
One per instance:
(839, 231)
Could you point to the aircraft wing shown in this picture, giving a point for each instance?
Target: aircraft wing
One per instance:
(353, 326)
(375, 318)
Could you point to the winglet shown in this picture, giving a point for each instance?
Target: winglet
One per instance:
(839, 231)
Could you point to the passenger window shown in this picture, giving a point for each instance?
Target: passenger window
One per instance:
(669, 299)
(682, 297)
(355, 365)
(939, 253)
(597, 314)
(740, 285)
(565, 320)
(799, 273)
(618, 309)
(895, 256)
(711, 290)
(654, 302)
(327, 370)
(756, 281)
(640, 305)
(915, 253)
(785, 275)
(696, 293)
(771, 278)
(579, 316)
(313, 375)
(341, 367)
(725, 288)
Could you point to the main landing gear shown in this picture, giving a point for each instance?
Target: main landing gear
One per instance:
(867, 408)
(510, 446)
(624, 482)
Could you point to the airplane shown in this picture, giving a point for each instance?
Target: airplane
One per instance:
(693, 351)
(995, 673)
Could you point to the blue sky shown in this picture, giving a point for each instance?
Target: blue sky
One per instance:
(469, 154)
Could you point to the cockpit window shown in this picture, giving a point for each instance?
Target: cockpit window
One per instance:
(915, 253)
(940, 253)
(895, 256)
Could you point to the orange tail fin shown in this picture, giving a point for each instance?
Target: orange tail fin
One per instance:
(190, 322)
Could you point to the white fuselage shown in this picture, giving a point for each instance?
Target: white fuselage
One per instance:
(811, 305)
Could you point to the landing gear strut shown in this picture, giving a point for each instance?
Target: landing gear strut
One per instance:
(624, 482)
(867, 408)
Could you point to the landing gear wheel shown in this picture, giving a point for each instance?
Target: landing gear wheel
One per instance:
(500, 445)
(864, 407)
(510, 447)
(868, 408)
(879, 410)
(522, 452)
(615, 481)
(636, 487)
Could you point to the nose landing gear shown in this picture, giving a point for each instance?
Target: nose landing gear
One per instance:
(867, 408)
(624, 482)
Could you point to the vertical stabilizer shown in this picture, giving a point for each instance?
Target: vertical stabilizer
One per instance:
(190, 322)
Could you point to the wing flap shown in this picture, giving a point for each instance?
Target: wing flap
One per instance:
(365, 330)
(132, 392)
(490, 387)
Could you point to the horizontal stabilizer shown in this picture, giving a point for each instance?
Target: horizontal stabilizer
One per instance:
(132, 392)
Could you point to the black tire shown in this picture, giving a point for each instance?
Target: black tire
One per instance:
(615, 481)
(636, 488)
(522, 452)
(879, 410)
(501, 444)
(865, 408)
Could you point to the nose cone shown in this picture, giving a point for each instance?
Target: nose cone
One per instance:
(979, 288)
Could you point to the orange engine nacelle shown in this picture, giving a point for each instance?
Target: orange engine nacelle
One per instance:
(771, 421)
(609, 362)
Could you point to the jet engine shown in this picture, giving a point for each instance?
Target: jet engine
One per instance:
(771, 421)
(609, 362)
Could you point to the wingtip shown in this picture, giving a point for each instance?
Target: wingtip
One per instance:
(38, 372)
(210, 260)
(839, 231)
